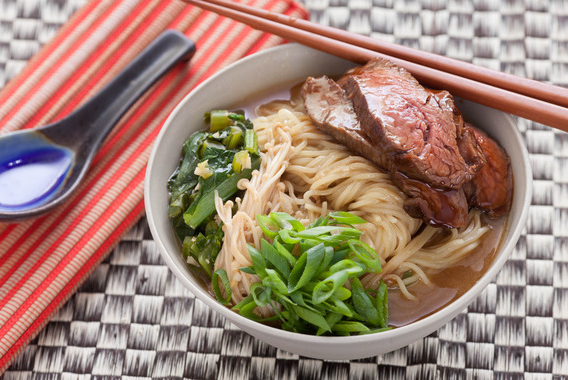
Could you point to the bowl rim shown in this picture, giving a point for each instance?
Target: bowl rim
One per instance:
(436, 319)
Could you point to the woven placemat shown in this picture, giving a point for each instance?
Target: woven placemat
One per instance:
(132, 318)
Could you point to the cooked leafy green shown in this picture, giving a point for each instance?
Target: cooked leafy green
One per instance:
(310, 277)
(207, 167)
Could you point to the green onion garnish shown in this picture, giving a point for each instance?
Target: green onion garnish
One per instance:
(317, 289)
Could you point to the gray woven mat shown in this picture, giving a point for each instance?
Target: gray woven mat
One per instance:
(132, 318)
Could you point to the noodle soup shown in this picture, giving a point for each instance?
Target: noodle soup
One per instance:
(236, 86)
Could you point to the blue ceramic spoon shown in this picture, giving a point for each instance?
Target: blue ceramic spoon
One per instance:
(40, 168)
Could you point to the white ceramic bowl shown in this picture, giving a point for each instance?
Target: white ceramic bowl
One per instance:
(261, 73)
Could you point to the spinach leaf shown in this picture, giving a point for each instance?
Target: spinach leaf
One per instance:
(208, 166)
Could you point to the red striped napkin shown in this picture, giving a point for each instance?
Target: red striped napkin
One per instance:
(43, 261)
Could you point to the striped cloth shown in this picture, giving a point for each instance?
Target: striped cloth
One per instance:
(42, 261)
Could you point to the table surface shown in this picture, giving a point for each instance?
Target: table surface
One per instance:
(133, 319)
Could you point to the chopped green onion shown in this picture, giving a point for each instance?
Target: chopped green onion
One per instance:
(331, 319)
(366, 254)
(382, 304)
(233, 140)
(260, 294)
(312, 317)
(352, 268)
(301, 275)
(273, 256)
(219, 119)
(268, 226)
(284, 253)
(327, 259)
(287, 237)
(327, 287)
(249, 270)
(322, 231)
(286, 222)
(258, 262)
(338, 306)
(220, 274)
(274, 281)
(246, 309)
(350, 327)
(318, 292)
(363, 304)
(342, 294)
(251, 141)
(343, 217)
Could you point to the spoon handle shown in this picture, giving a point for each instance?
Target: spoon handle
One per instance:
(88, 125)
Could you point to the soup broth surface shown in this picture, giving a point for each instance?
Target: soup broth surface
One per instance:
(449, 284)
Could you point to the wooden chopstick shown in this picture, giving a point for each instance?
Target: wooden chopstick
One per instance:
(490, 95)
(533, 88)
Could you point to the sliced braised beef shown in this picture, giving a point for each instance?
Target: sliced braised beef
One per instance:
(381, 112)
(491, 189)
(437, 207)
(331, 111)
(468, 147)
(407, 121)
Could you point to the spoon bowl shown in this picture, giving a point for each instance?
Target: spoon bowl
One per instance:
(40, 168)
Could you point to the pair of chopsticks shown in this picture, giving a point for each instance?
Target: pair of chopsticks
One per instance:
(541, 102)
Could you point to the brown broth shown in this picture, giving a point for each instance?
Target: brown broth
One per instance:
(449, 284)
